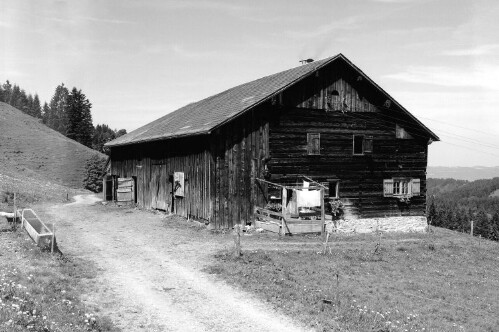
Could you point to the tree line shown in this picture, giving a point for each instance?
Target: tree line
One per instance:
(454, 204)
(69, 112)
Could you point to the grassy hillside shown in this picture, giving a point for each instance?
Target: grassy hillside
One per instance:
(437, 281)
(29, 149)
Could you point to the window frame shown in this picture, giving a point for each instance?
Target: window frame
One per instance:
(310, 146)
(362, 145)
(401, 187)
(328, 183)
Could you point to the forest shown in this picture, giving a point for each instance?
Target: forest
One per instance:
(68, 112)
(456, 204)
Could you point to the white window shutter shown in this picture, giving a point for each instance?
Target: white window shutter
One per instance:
(388, 187)
(416, 187)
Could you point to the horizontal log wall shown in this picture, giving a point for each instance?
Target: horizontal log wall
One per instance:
(361, 177)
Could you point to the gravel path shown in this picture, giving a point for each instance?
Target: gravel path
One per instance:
(151, 271)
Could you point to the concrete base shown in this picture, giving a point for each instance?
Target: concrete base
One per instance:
(387, 224)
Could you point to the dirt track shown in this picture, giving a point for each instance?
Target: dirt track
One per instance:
(150, 271)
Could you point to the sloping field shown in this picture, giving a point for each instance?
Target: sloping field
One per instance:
(29, 149)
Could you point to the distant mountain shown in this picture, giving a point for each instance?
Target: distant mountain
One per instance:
(29, 149)
(462, 173)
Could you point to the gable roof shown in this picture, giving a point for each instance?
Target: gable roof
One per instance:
(205, 115)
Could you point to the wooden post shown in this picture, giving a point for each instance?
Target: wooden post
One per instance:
(283, 210)
(253, 191)
(471, 232)
(237, 240)
(14, 226)
(53, 239)
(323, 214)
(337, 293)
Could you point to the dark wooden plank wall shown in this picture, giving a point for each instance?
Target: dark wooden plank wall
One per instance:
(239, 148)
(361, 177)
(153, 164)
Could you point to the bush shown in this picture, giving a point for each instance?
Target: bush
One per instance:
(94, 171)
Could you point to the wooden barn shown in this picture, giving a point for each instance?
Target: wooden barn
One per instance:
(326, 121)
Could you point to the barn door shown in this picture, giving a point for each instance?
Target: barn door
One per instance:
(125, 192)
(158, 186)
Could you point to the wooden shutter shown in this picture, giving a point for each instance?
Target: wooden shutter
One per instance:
(388, 187)
(313, 143)
(368, 144)
(415, 187)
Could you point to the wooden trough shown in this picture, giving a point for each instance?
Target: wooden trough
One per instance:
(41, 234)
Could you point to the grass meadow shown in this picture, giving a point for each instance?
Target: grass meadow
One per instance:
(40, 291)
(437, 281)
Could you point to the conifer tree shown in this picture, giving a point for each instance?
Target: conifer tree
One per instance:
(7, 91)
(36, 108)
(45, 111)
(79, 118)
(56, 118)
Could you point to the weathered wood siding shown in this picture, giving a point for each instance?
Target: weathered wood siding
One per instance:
(239, 150)
(305, 110)
(153, 165)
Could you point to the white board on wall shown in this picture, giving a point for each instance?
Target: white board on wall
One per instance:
(178, 183)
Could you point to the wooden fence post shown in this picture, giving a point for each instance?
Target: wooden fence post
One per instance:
(237, 240)
(15, 212)
(323, 214)
(337, 293)
(471, 232)
(53, 238)
(283, 210)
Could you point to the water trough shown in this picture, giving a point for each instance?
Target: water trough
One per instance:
(41, 233)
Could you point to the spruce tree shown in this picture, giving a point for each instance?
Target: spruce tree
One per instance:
(56, 118)
(79, 118)
(45, 112)
(7, 91)
(36, 108)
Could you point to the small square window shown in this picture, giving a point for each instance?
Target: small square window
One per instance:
(313, 143)
(331, 188)
(334, 188)
(358, 144)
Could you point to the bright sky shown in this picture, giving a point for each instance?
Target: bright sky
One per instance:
(138, 60)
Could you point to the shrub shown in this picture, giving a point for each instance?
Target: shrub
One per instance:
(94, 171)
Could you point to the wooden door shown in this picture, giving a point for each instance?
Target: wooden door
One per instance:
(159, 187)
(125, 192)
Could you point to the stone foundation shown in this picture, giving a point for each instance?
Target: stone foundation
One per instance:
(386, 224)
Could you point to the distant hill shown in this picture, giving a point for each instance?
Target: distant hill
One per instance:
(462, 173)
(30, 149)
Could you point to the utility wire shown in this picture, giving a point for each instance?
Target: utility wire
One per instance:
(411, 125)
(372, 121)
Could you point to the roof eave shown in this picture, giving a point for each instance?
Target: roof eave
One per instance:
(156, 139)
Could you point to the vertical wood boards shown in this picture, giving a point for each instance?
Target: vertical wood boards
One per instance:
(154, 164)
